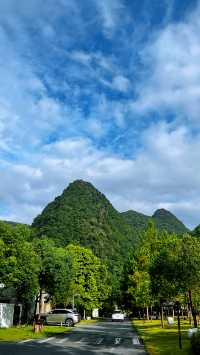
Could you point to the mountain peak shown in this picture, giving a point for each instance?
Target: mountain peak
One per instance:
(162, 212)
(80, 182)
(81, 185)
(164, 219)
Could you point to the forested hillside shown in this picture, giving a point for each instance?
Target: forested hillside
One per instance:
(166, 220)
(163, 219)
(84, 215)
(135, 219)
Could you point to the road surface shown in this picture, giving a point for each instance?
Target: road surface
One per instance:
(102, 338)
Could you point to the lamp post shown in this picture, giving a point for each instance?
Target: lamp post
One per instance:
(179, 324)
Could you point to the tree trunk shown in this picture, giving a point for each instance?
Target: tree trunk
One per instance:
(151, 313)
(84, 314)
(192, 309)
(189, 315)
(161, 316)
(173, 312)
(20, 314)
(40, 303)
(147, 313)
(35, 308)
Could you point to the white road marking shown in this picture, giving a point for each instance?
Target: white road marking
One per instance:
(25, 341)
(81, 340)
(45, 340)
(99, 341)
(135, 341)
(62, 340)
(117, 341)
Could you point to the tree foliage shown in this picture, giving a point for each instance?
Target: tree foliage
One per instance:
(19, 263)
(90, 277)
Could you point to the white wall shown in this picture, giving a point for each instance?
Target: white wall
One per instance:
(6, 315)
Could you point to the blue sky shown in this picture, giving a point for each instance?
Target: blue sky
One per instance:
(102, 90)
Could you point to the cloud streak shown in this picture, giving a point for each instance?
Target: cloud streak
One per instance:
(172, 71)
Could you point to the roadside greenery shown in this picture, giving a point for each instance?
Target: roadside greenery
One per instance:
(26, 332)
(162, 341)
(29, 268)
(164, 268)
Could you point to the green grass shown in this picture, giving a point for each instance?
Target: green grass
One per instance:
(26, 332)
(158, 341)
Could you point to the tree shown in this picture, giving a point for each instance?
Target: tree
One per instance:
(139, 287)
(54, 271)
(176, 270)
(89, 278)
(19, 268)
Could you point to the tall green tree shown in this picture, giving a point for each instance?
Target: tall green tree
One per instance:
(19, 266)
(54, 270)
(90, 277)
(176, 270)
(139, 287)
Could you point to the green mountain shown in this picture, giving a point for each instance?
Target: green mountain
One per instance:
(166, 220)
(196, 231)
(135, 219)
(82, 214)
(163, 219)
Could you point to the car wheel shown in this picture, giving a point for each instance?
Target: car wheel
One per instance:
(69, 322)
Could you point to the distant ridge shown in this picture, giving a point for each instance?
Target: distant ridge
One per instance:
(14, 223)
(163, 219)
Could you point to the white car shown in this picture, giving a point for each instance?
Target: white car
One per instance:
(118, 315)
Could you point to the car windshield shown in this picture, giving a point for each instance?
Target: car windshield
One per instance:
(117, 312)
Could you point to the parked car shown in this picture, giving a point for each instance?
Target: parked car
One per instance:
(118, 315)
(67, 317)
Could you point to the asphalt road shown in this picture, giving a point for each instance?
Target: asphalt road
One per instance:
(101, 338)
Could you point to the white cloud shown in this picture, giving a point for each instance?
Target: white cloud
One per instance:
(164, 174)
(101, 69)
(172, 81)
(121, 83)
(81, 57)
(110, 12)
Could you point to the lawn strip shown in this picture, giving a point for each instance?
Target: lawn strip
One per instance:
(158, 341)
(26, 332)
(14, 334)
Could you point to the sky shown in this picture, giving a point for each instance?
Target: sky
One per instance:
(107, 91)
